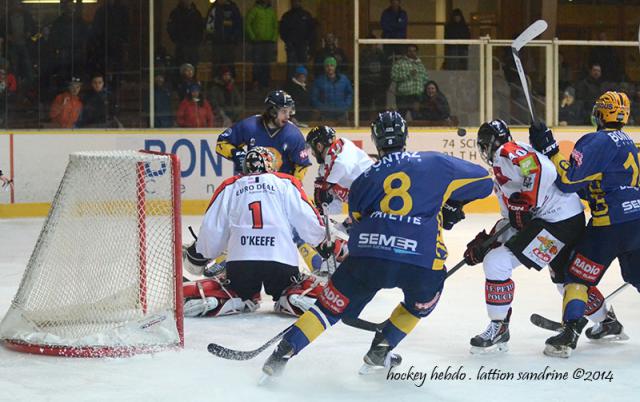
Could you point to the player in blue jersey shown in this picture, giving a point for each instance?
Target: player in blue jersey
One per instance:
(273, 130)
(395, 242)
(603, 169)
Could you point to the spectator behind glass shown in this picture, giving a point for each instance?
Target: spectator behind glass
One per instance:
(607, 58)
(194, 111)
(163, 111)
(329, 49)
(297, 30)
(224, 29)
(456, 55)
(262, 32)
(187, 78)
(571, 112)
(8, 88)
(410, 77)
(298, 89)
(20, 28)
(109, 39)
(68, 41)
(67, 106)
(98, 107)
(374, 80)
(226, 98)
(589, 89)
(185, 28)
(394, 23)
(332, 94)
(433, 108)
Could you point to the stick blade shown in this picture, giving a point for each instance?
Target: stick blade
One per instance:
(529, 34)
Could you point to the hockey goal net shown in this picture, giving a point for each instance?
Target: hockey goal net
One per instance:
(105, 276)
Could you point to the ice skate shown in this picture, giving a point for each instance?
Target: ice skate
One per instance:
(379, 356)
(609, 330)
(562, 344)
(493, 340)
(274, 366)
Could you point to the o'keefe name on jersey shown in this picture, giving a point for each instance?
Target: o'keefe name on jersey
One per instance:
(266, 241)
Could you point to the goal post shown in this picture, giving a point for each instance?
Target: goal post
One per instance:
(105, 275)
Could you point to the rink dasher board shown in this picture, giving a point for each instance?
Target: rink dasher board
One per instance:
(36, 159)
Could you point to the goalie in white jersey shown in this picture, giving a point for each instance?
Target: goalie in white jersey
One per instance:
(546, 224)
(253, 216)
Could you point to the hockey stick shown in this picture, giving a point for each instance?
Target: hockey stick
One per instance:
(232, 354)
(325, 211)
(373, 327)
(525, 37)
(551, 325)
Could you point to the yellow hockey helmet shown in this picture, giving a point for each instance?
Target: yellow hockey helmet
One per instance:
(611, 107)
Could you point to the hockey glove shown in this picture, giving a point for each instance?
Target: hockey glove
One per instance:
(326, 249)
(519, 211)
(321, 194)
(452, 213)
(193, 261)
(475, 252)
(541, 139)
(239, 155)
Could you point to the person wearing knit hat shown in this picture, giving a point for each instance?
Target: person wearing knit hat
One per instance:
(332, 94)
(331, 61)
(298, 88)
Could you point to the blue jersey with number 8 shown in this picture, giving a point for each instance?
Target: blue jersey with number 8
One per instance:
(397, 202)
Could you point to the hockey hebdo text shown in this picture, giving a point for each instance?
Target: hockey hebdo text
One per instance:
(484, 373)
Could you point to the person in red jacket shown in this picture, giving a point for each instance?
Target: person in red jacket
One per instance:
(194, 110)
(67, 106)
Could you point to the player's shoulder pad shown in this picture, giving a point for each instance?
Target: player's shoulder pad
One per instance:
(287, 176)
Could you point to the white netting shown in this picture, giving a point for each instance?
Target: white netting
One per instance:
(103, 271)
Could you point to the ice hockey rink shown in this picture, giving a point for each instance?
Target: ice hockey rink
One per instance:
(327, 369)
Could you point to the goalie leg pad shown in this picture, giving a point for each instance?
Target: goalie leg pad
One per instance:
(299, 297)
(209, 297)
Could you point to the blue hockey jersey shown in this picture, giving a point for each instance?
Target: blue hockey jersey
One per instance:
(397, 203)
(603, 169)
(287, 144)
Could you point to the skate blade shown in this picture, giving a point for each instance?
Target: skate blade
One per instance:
(367, 369)
(621, 337)
(265, 379)
(563, 352)
(493, 349)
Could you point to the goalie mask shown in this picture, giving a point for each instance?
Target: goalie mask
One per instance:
(491, 136)
(258, 160)
(324, 135)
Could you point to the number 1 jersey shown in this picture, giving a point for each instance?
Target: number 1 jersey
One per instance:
(253, 217)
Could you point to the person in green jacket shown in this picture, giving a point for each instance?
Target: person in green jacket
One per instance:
(261, 26)
(410, 77)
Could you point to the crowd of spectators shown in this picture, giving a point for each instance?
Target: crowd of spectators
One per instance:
(67, 68)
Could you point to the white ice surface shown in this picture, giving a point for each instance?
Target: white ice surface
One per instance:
(327, 369)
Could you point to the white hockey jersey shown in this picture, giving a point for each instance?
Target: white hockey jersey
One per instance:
(253, 218)
(343, 164)
(519, 168)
